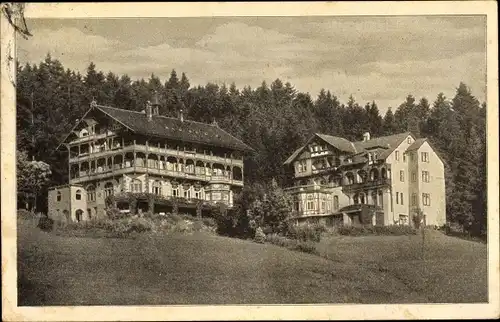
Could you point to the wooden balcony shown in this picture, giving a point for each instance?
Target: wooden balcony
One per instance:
(158, 151)
(85, 176)
(369, 184)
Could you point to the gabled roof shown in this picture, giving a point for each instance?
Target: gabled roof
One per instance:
(335, 141)
(383, 145)
(417, 144)
(338, 142)
(390, 141)
(173, 128)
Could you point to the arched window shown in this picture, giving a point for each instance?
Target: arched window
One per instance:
(59, 196)
(108, 189)
(157, 187)
(78, 194)
(335, 202)
(136, 186)
(91, 193)
(356, 199)
(362, 198)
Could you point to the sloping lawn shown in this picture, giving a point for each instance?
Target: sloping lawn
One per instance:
(453, 270)
(195, 269)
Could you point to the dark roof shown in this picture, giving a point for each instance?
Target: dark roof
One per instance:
(415, 145)
(338, 142)
(174, 128)
(383, 145)
(390, 141)
(294, 155)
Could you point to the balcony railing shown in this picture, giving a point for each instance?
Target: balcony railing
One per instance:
(369, 184)
(156, 150)
(96, 174)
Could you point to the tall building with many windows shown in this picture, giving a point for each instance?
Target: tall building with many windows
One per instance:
(378, 181)
(114, 151)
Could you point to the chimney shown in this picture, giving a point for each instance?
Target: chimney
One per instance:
(149, 113)
(366, 136)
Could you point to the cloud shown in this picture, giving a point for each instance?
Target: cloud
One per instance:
(69, 42)
(381, 59)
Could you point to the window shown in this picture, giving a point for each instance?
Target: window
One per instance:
(425, 156)
(401, 196)
(108, 189)
(310, 202)
(413, 176)
(402, 176)
(426, 199)
(408, 140)
(136, 186)
(414, 199)
(187, 193)
(335, 202)
(412, 158)
(197, 194)
(78, 195)
(157, 187)
(404, 157)
(91, 193)
(59, 196)
(397, 155)
(175, 192)
(397, 197)
(425, 176)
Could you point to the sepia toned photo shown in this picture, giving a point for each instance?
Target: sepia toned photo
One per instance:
(249, 160)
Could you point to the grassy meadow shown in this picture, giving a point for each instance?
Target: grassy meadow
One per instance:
(201, 268)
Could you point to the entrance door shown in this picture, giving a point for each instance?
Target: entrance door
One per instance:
(79, 215)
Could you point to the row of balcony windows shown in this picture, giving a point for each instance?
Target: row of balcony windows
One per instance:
(218, 171)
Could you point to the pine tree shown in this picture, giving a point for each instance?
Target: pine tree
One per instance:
(389, 126)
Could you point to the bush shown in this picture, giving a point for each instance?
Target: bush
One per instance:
(292, 244)
(45, 224)
(115, 213)
(306, 232)
(394, 230)
(25, 214)
(306, 247)
(260, 237)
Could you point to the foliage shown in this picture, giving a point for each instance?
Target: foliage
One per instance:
(417, 217)
(272, 208)
(275, 119)
(394, 230)
(260, 237)
(32, 177)
(292, 244)
(45, 224)
(306, 232)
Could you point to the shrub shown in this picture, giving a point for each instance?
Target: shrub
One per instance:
(260, 237)
(25, 214)
(394, 230)
(306, 247)
(306, 232)
(209, 222)
(115, 213)
(292, 244)
(45, 224)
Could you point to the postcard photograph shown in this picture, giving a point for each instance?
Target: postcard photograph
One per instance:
(250, 160)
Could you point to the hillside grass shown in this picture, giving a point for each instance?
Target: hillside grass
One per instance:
(155, 269)
(452, 270)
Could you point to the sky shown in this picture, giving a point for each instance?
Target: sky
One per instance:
(381, 59)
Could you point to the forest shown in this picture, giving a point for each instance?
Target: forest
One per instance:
(274, 119)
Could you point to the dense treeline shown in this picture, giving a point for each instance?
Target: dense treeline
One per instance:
(274, 119)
